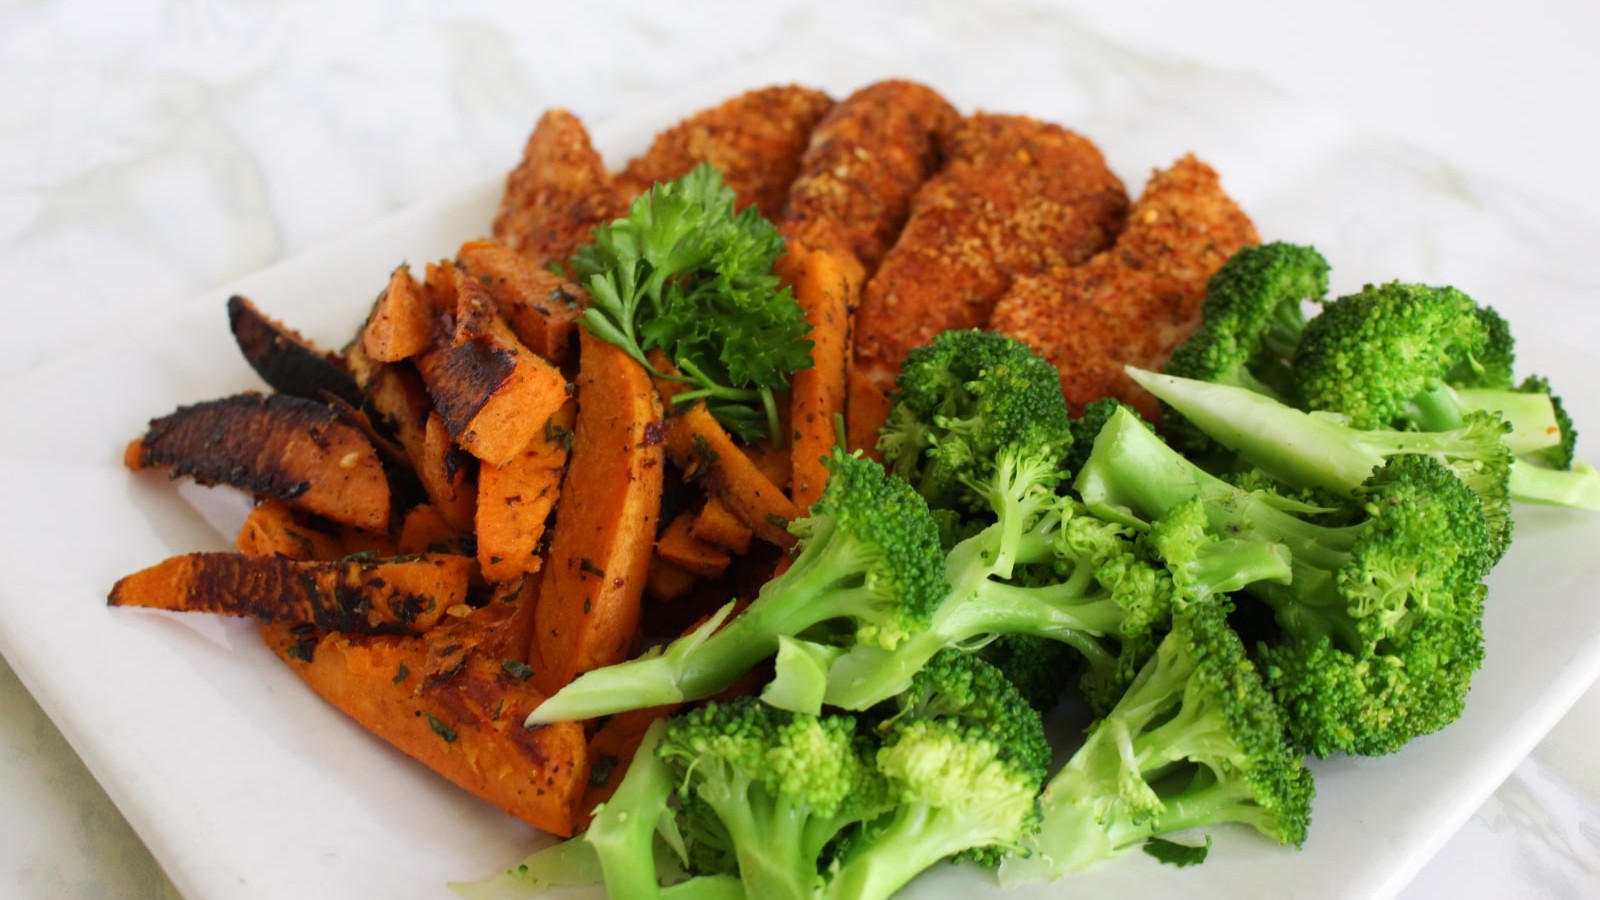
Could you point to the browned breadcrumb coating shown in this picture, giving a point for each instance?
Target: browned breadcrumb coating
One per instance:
(755, 140)
(558, 194)
(866, 159)
(1134, 303)
(1016, 197)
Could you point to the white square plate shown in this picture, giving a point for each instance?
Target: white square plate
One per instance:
(245, 785)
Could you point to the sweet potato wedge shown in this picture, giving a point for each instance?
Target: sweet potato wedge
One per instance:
(514, 501)
(600, 547)
(464, 723)
(287, 362)
(678, 546)
(541, 307)
(448, 475)
(272, 529)
(402, 323)
(493, 393)
(274, 446)
(700, 446)
(372, 596)
(826, 287)
(717, 525)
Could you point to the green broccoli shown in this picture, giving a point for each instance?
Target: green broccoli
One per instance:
(779, 787)
(1407, 356)
(963, 759)
(963, 397)
(1251, 322)
(868, 553)
(1039, 668)
(1196, 741)
(1390, 606)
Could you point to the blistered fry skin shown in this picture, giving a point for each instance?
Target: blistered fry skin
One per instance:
(1137, 301)
(1016, 197)
(558, 194)
(755, 140)
(866, 159)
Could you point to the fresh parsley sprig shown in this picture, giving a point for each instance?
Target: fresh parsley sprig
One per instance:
(683, 272)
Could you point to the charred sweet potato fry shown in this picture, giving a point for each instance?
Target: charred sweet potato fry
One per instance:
(515, 501)
(493, 396)
(541, 307)
(403, 323)
(372, 596)
(600, 547)
(558, 194)
(755, 140)
(448, 475)
(284, 359)
(865, 160)
(274, 446)
(702, 448)
(465, 723)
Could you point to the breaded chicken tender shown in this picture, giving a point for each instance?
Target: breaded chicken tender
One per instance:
(1137, 301)
(755, 140)
(867, 158)
(558, 193)
(1016, 197)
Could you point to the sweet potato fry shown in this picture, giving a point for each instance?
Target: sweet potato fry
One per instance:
(717, 525)
(377, 596)
(274, 446)
(403, 323)
(826, 287)
(515, 500)
(600, 547)
(558, 194)
(424, 530)
(448, 475)
(679, 547)
(464, 723)
(287, 362)
(541, 307)
(272, 529)
(665, 582)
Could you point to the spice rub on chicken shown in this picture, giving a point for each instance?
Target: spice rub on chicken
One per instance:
(866, 160)
(1016, 197)
(755, 140)
(1134, 303)
(558, 193)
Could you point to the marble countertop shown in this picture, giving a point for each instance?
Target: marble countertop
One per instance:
(152, 150)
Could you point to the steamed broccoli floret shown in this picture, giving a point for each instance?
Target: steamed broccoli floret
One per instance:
(1251, 323)
(1039, 667)
(868, 554)
(1197, 741)
(1391, 605)
(962, 398)
(1318, 451)
(963, 759)
(777, 787)
(1400, 356)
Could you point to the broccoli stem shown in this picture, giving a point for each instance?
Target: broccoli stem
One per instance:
(1577, 488)
(1530, 414)
(919, 837)
(624, 827)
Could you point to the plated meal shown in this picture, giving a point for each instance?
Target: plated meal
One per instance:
(744, 514)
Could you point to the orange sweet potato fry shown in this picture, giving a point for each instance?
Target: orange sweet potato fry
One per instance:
(404, 594)
(515, 501)
(272, 529)
(447, 475)
(403, 323)
(600, 547)
(541, 307)
(275, 445)
(679, 547)
(826, 287)
(494, 395)
(464, 722)
(716, 524)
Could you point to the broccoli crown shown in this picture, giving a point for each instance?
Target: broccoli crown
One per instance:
(1040, 668)
(1196, 741)
(1251, 320)
(964, 686)
(963, 397)
(1562, 455)
(780, 785)
(1382, 356)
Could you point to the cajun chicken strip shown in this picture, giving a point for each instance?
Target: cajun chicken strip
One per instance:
(1137, 301)
(755, 140)
(867, 158)
(558, 193)
(1016, 197)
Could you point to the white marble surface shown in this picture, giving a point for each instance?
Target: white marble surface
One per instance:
(150, 150)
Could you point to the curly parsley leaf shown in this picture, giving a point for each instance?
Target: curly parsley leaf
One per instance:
(684, 273)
